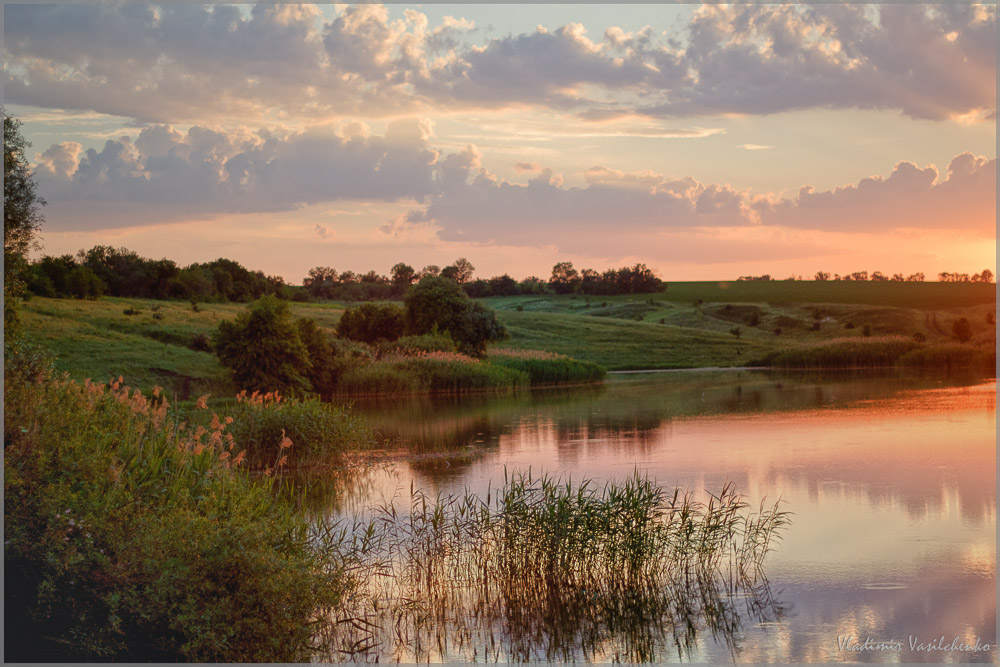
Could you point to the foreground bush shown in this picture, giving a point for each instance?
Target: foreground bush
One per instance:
(319, 431)
(547, 367)
(130, 536)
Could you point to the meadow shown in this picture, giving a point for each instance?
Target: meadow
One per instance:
(689, 325)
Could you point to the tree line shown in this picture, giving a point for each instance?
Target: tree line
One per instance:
(107, 271)
(986, 276)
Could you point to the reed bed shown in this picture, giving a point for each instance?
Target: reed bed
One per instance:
(545, 569)
(322, 433)
(547, 367)
(869, 352)
(951, 356)
(428, 372)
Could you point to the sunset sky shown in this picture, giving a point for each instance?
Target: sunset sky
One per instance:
(707, 141)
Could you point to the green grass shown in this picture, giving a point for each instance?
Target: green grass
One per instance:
(667, 330)
(428, 372)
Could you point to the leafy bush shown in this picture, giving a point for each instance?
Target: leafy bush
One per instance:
(132, 537)
(370, 322)
(440, 304)
(961, 330)
(263, 349)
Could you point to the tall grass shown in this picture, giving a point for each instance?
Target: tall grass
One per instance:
(132, 536)
(871, 352)
(428, 372)
(882, 352)
(547, 569)
(547, 367)
(320, 432)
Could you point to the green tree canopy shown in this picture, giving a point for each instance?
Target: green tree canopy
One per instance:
(22, 215)
(441, 304)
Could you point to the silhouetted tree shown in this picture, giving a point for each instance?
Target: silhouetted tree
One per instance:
(565, 278)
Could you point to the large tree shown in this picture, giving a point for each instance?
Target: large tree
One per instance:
(22, 215)
(441, 304)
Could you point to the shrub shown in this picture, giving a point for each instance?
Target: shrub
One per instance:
(322, 372)
(370, 322)
(961, 330)
(262, 348)
(439, 304)
(200, 343)
(131, 537)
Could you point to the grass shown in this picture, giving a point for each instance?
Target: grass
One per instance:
(544, 368)
(687, 326)
(883, 352)
(545, 569)
(428, 372)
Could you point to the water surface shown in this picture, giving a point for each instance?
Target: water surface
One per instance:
(891, 480)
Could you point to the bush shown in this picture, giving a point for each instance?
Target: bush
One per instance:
(370, 322)
(263, 349)
(440, 304)
(130, 537)
(961, 330)
(322, 373)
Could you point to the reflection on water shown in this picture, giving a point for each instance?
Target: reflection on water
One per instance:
(890, 477)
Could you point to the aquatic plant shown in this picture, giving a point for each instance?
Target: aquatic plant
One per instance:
(547, 569)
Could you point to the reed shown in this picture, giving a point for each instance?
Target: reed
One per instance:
(543, 568)
(869, 352)
(547, 367)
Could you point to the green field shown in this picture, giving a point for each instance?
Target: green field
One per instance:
(689, 325)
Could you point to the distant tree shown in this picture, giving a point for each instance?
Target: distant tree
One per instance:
(859, 275)
(429, 271)
(461, 271)
(370, 322)
(478, 289)
(878, 276)
(821, 276)
(565, 278)
(373, 278)
(532, 285)
(985, 277)
(83, 283)
(320, 281)
(915, 278)
(962, 330)
(263, 349)
(897, 277)
(403, 276)
(502, 286)
(440, 304)
(22, 217)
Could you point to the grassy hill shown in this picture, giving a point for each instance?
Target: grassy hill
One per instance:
(688, 325)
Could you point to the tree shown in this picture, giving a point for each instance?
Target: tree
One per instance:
(461, 271)
(263, 349)
(565, 278)
(431, 271)
(962, 330)
(821, 276)
(22, 216)
(370, 322)
(441, 304)
(403, 276)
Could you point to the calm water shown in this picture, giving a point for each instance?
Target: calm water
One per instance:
(891, 481)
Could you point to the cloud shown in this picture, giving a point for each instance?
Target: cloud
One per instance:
(186, 63)
(617, 208)
(910, 197)
(165, 174)
(525, 167)
(754, 147)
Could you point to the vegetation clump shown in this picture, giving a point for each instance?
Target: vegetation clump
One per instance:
(132, 536)
(547, 367)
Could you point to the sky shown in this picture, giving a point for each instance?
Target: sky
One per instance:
(706, 141)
